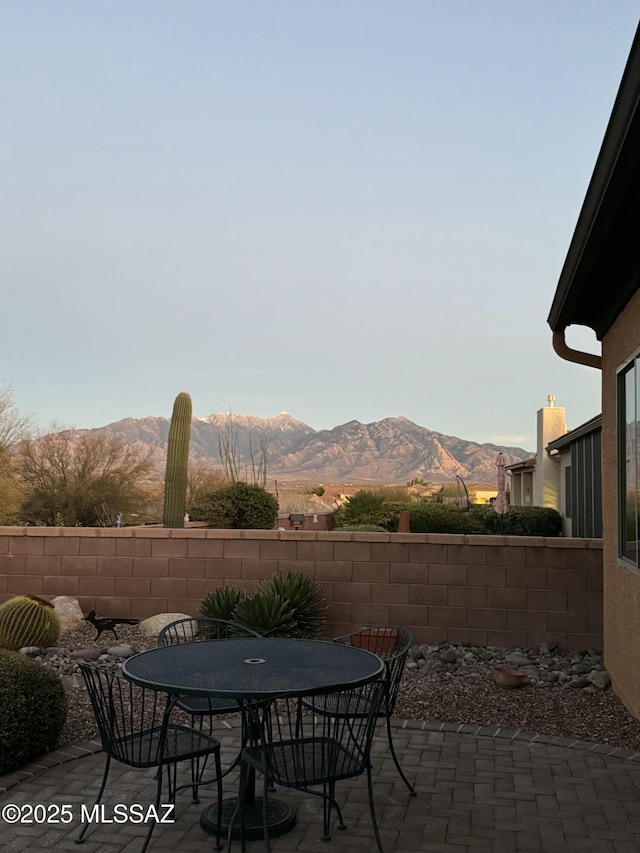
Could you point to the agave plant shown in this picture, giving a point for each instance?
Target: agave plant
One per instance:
(222, 602)
(267, 613)
(306, 599)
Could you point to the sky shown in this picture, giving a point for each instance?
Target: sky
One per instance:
(342, 209)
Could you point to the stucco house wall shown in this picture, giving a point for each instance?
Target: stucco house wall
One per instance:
(621, 614)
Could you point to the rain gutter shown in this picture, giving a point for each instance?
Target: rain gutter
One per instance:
(568, 354)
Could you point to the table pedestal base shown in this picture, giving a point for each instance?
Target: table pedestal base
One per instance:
(280, 819)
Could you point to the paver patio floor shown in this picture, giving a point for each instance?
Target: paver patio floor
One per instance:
(478, 789)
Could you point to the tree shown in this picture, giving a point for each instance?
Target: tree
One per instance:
(363, 507)
(85, 480)
(203, 478)
(227, 447)
(14, 427)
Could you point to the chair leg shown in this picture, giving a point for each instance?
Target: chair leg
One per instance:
(265, 813)
(195, 775)
(216, 758)
(412, 792)
(198, 766)
(326, 812)
(372, 809)
(341, 823)
(172, 797)
(107, 765)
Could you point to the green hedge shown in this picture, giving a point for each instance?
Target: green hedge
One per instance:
(449, 518)
(520, 521)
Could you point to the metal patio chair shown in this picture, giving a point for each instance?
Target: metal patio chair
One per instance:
(391, 643)
(134, 729)
(302, 747)
(197, 629)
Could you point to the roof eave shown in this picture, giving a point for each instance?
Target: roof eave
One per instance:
(606, 201)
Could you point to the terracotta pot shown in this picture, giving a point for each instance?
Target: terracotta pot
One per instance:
(375, 639)
(507, 677)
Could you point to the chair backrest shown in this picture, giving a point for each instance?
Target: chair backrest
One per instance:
(391, 643)
(131, 719)
(342, 742)
(197, 628)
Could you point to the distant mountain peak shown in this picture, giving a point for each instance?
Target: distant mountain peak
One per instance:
(391, 450)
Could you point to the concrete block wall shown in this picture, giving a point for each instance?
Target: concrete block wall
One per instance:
(486, 590)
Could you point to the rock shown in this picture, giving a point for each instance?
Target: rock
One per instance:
(450, 656)
(517, 659)
(578, 683)
(600, 679)
(152, 626)
(85, 654)
(30, 651)
(546, 668)
(121, 651)
(68, 611)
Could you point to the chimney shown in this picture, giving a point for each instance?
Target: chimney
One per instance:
(546, 479)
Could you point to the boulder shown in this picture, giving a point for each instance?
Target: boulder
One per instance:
(152, 626)
(68, 611)
(600, 679)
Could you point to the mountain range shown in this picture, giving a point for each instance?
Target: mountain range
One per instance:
(393, 450)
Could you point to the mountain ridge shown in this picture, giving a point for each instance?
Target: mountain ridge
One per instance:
(391, 450)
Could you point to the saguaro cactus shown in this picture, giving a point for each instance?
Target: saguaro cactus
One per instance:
(27, 620)
(175, 481)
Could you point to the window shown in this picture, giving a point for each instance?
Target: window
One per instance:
(628, 460)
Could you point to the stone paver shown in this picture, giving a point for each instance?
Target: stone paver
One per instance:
(479, 789)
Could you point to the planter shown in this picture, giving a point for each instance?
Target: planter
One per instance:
(375, 639)
(508, 678)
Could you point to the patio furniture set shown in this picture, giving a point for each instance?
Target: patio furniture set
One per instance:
(309, 710)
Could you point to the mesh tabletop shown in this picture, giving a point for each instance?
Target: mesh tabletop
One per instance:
(257, 668)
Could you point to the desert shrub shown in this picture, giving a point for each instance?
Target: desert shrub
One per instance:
(392, 494)
(305, 597)
(290, 604)
(441, 518)
(267, 613)
(364, 507)
(520, 521)
(318, 490)
(241, 506)
(221, 602)
(33, 709)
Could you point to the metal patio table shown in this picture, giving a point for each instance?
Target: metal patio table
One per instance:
(252, 670)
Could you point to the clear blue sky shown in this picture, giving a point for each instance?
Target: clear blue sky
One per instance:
(338, 208)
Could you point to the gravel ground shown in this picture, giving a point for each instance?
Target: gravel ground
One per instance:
(596, 716)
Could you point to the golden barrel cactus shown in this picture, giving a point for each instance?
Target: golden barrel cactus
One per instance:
(27, 620)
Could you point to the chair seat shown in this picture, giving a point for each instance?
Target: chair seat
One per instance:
(345, 704)
(305, 762)
(142, 749)
(198, 706)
